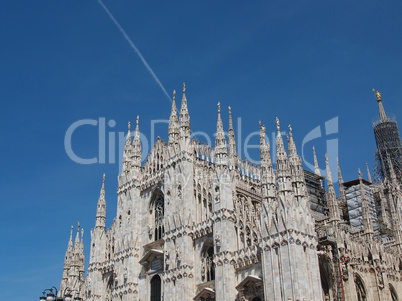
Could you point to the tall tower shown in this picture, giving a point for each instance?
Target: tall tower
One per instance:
(388, 142)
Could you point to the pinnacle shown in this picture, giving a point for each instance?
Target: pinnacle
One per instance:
(329, 176)
(316, 167)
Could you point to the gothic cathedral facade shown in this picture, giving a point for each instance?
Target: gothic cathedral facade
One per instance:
(198, 222)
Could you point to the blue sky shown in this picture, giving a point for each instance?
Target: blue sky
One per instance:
(63, 61)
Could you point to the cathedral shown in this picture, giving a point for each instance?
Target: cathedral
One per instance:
(198, 222)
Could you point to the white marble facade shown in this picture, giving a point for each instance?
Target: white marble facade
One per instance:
(197, 222)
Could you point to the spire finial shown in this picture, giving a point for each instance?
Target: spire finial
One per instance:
(138, 119)
(316, 167)
(174, 95)
(329, 175)
(339, 169)
(219, 107)
(231, 137)
(230, 119)
(290, 131)
(383, 116)
(102, 192)
(378, 95)
(77, 237)
(184, 87)
(278, 125)
(368, 173)
(129, 126)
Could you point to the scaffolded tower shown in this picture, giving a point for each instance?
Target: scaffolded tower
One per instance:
(389, 146)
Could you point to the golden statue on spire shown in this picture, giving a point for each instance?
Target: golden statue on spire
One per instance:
(378, 95)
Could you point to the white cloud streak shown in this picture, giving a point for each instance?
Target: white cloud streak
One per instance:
(135, 49)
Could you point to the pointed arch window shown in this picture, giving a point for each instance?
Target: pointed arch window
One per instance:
(158, 210)
(361, 291)
(394, 296)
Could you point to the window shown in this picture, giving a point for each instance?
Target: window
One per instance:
(156, 288)
(394, 296)
(361, 291)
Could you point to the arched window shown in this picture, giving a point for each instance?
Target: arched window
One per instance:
(207, 264)
(158, 211)
(156, 288)
(394, 296)
(109, 287)
(361, 291)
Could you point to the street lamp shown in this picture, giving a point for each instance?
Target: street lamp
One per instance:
(52, 295)
(68, 296)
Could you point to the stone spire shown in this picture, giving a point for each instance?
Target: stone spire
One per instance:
(297, 172)
(77, 238)
(268, 180)
(282, 163)
(127, 150)
(128, 139)
(82, 242)
(383, 116)
(264, 148)
(70, 242)
(368, 227)
(67, 260)
(221, 152)
(291, 144)
(174, 124)
(332, 202)
(383, 202)
(101, 208)
(137, 152)
(342, 192)
(231, 137)
(368, 173)
(316, 167)
(184, 122)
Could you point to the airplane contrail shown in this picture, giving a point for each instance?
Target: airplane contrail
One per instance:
(135, 49)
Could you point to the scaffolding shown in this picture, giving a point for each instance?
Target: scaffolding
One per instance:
(389, 148)
(354, 204)
(316, 192)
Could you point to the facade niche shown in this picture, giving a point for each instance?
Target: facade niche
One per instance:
(207, 263)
